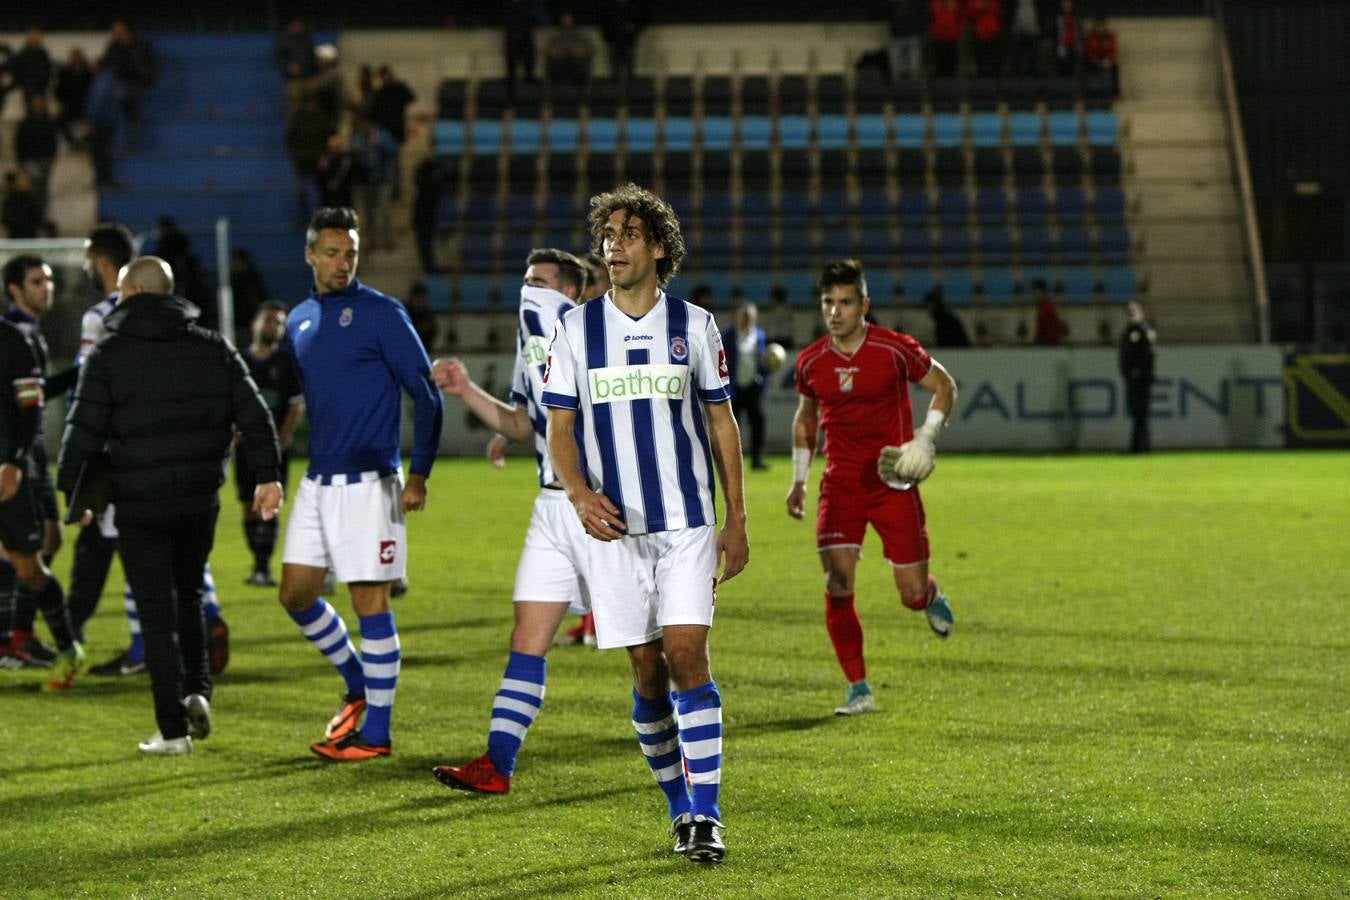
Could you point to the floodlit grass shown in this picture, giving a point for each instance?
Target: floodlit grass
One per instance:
(1145, 695)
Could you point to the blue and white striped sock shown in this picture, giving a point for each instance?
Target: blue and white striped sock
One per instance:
(659, 737)
(136, 653)
(325, 630)
(514, 709)
(701, 741)
(210, 602)
(380, 658)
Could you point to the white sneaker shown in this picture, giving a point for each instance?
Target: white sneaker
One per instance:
(199, 716)
(863, 703)
(158, 746)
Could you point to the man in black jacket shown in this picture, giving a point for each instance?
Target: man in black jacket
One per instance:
(163, 396)
(1138, 343)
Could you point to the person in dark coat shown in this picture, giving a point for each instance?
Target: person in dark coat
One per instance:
(31, 67)
(745, 344)
(134, 67)
(1137, 352)
(947, 328)
(164, 397)
(35, 147)
(429, 183)
(73, 82)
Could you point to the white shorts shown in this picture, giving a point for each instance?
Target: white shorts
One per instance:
(553, 565)
(355, 529)
(653, 580)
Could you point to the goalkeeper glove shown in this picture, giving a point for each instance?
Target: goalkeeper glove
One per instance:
(913, 461)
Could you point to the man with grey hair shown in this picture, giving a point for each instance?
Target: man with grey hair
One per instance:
(163, 397)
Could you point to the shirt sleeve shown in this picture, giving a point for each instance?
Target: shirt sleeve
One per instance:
(917, 361)
(91, 329)
(518, 385)
(407, 358)
(560, 376)
(711, 376)
(803, 383)
(25, 376)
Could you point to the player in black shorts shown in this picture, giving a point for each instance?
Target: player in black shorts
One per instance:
(270, 365)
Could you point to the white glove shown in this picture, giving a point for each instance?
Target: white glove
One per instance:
(917, 458)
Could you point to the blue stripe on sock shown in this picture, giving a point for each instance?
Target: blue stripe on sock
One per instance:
(704, 797)
(379, 626)
(504, 747)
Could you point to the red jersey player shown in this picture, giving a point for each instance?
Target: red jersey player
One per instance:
(855, 384)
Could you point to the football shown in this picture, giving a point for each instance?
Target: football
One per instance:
(774, 357)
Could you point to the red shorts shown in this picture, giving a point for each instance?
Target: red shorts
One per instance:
(848, 504)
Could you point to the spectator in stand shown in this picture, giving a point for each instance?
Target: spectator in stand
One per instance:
(947, 328)
(1099, 52)
(570, 53)
(906, 23)
(21, 212)
(250, 293)
(428, 184)
(947, 24)
(73, 82)
(389, 109)
(1049, 326)
(1067, 39)
(335, 175)
(374, 152)
(134, 68)
(620, 29)
(172, 244)
(363, 92)
(327, 83)
(31, 67)
(294, 55)
(1031, 19)
(102, 114)
(986, 17)
(519, 20)
(307, 132)
(423, 319)
(35, 147)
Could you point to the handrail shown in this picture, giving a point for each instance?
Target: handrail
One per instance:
(1255, 258)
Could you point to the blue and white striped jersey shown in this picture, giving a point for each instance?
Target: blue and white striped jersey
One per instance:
(638, 387)
(539, 311)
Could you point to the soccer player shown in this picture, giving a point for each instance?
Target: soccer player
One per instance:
(354, 349)
(854, 382)
(639, 409)
(274, 373)
(550, 577)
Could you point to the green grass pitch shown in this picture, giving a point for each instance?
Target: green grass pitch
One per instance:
(1145, 695)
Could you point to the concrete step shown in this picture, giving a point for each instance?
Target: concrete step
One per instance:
(1176, 123)
(1160, 200)
(1211, 241)
(1208, 162)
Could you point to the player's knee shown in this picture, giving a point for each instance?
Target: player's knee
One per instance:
(839, 585)
(914, 597)
(294, 600)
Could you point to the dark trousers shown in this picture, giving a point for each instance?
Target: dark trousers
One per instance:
(1137, 395)
(751, 400)
(163, 560)
(88, 573)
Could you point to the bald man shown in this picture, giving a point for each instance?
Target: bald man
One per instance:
(164, 396)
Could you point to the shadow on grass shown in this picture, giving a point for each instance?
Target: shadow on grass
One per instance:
(1218, 642)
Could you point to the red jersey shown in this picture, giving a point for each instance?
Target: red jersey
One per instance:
(863, 396)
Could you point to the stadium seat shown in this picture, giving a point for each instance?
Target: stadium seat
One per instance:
(560, 211)
(1071, 206)
(955, 247)
(1080, 284)
(1060, 93)
(716, 132)
(677, 169)
(1024, 129)
(565, 134)
(716, 169)
(756, 208)
(1032, 207)
(912, 167)
(639, 96)
(875, 246)
(452, 97)
(995, 246)
(755, 95)
(1064, 128)
(832, 132)
(958, 286)
(490, 98)
(986, 129)
(487, 136)
(831, 95)
(793, 95)
(916, 246)
(476, 292)
(871, 132)
(870, 94)
(913, 208)
(448, 138)
(800, 285)
(834, 169)
(1067, 165)
(916, 283)
(716, 93)
(991, 206)
(794, 208)
(521, 172)
(677, 94)
(999, 286)
(755, 285)
(794, 132)
(516, 246)
(1074, 245)
(1028, 166)
(949, 129)
(601, 171)
(756, 132)
(1119, 283)
(910, 131)
(871, 169)
(946, 95)
(1105, 165)
(794, 166)
(476, 252)
(837, 243)
(1108, 205)
(639, 167)
(603, 100)
(1033, 246)
(483, 173)
(1103, 128)
(880, 282)
(756, 170)
(602, 135)
(715, 248)
(953, 207)
(834, 207)
(562, 171)
(1113, 245)
(716, 209)
(677, 133)
(983, 94)
(991, 165)
(438, 292)
(949, 166)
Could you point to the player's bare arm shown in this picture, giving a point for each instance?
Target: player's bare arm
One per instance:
(11, 476)
(414, 496)
(598, 514)
(805, 425)
(452, 377)
(915, 460)
(733, 544)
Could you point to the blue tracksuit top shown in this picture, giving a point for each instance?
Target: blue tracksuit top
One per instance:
(353, 350)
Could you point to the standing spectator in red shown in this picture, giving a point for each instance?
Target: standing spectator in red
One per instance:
(1067, 39)
(1049, 328)
(986, 17)
(1099, 50)
(948, 22)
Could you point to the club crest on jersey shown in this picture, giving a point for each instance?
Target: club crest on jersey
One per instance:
(346, 318)
(679, 349)
(387, 552)
(846, 378)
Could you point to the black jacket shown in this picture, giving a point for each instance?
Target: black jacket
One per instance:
(164, 397)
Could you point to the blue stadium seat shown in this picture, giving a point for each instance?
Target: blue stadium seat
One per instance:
(794, 207)
(602, 135)
(476, 251)
(916, 283)
(1064, 128)
(837, 243)
(715, 248)
(991, 206)
(949, 129)
(958, 286)
(717, 132)
(524, 135)
(834, 206)
(955, 247)
(953, 207)
(716, 208)
(515, 247)
(487, 136)
(438, 292)
(475, 292)
(1032, 207)
(1108, 206)
(880, 284)
(871, 131)
(800, 285)
(720, 282)
(1119, 283)
(1113, 245)
(1033, 246)
(999, 286)
(986, 129)
(678, 133)
(564, 135)
(756, 132)
(756, 208)
(1074, 245)
(449, 138)
(916, 246)
(1071, 205)
(1103, 127)
(1080, 284)
(913, 208)
(995, 246)
(874, 207)
(910, 130)
(795, 244)
(794, 132)
(755, 285)
(518, 210)
(1024, 129)
(876, 246)
(640, 135)
(832, 132)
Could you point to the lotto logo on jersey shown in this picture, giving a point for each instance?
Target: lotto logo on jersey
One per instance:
(387, 552)
(722, 370)
(650, 382)
(535, 351)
